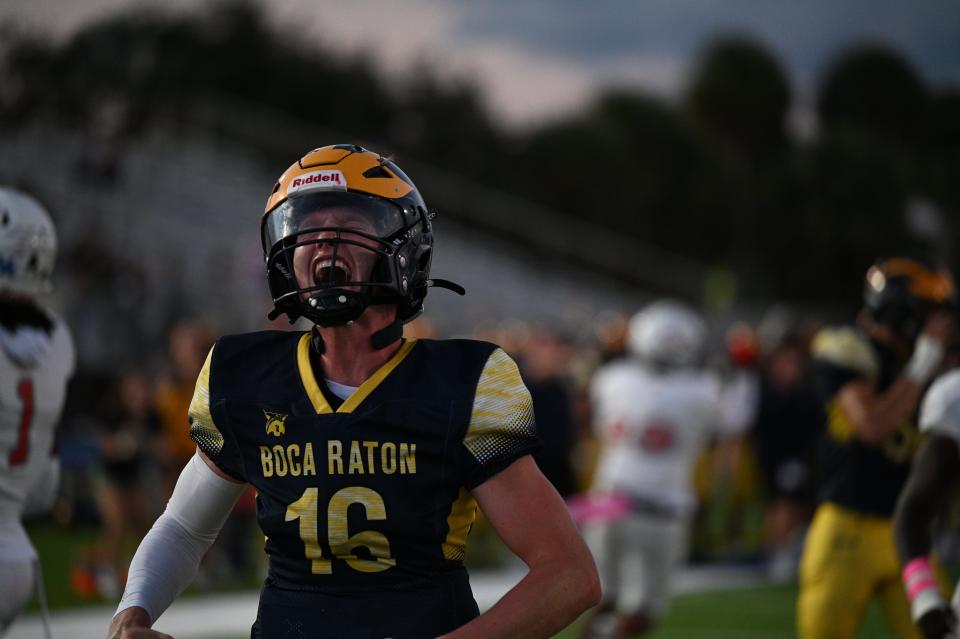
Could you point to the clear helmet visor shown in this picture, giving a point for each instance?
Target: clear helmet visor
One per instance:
(332, 239)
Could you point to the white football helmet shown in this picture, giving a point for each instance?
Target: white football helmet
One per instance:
(667, 333)
(28, 244)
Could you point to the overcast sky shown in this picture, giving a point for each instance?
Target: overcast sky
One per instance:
(539, 58)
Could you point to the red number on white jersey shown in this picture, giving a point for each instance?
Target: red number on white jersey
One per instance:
(19, 454)
(657, 437)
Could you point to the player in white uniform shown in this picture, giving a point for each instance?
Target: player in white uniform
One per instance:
(36, 360)
(933, 478)
(654, 413)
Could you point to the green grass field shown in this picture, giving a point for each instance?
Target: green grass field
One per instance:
(751, 613)
(754, 613)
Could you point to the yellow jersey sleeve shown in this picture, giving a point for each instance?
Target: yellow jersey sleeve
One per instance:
(502, 426)
(203, 430)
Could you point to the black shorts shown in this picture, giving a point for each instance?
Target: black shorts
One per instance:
(417, 610)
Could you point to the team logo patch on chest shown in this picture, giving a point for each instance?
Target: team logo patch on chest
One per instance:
(276, 423)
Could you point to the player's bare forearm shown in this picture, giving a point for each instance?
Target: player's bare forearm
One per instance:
(543, 603)
(875, 416)
(894, 407)
(133, 623)
(533, 522)
(935, 469)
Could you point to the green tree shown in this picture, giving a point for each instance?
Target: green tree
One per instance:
(737, 104)
(940, 176)
(874, 89)
(740, 93)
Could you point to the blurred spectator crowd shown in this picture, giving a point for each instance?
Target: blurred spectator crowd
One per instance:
(124, 440)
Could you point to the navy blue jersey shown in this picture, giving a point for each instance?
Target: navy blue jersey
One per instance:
(366, 505)
(863, 477)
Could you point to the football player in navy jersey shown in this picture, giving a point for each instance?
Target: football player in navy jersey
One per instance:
(370, 454)
(871, 378)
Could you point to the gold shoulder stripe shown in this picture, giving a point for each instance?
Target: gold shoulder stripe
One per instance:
(845, 347)
(374, 380)
(203, 430)
(320, 404)
(502, 410)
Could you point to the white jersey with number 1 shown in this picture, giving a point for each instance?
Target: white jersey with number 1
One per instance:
(31, 400)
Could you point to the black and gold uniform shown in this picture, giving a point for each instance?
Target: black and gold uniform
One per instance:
(849, 555)
(365, 505)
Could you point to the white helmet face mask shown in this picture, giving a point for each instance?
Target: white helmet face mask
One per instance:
(28, 245)
(667, 333)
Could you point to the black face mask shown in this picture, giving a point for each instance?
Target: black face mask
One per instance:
(20, 313)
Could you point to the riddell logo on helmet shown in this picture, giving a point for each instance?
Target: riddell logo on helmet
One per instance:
(319, 180)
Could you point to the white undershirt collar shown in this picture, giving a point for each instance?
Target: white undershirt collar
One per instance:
(340, 390)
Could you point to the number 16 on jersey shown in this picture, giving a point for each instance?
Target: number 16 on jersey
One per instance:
(342, 544)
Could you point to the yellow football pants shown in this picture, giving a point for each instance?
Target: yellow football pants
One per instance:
(848, 559)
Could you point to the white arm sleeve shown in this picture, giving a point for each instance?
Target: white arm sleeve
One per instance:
(169, 555)
(44, 492)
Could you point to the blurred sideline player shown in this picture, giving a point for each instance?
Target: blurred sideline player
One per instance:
(933, 478)
(655, 412)
(369, 453)
(36, 360)
(872, 378)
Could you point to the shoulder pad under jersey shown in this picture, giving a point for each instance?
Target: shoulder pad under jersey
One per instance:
(846, 348)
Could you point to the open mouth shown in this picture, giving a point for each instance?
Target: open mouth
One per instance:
(329, 272)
